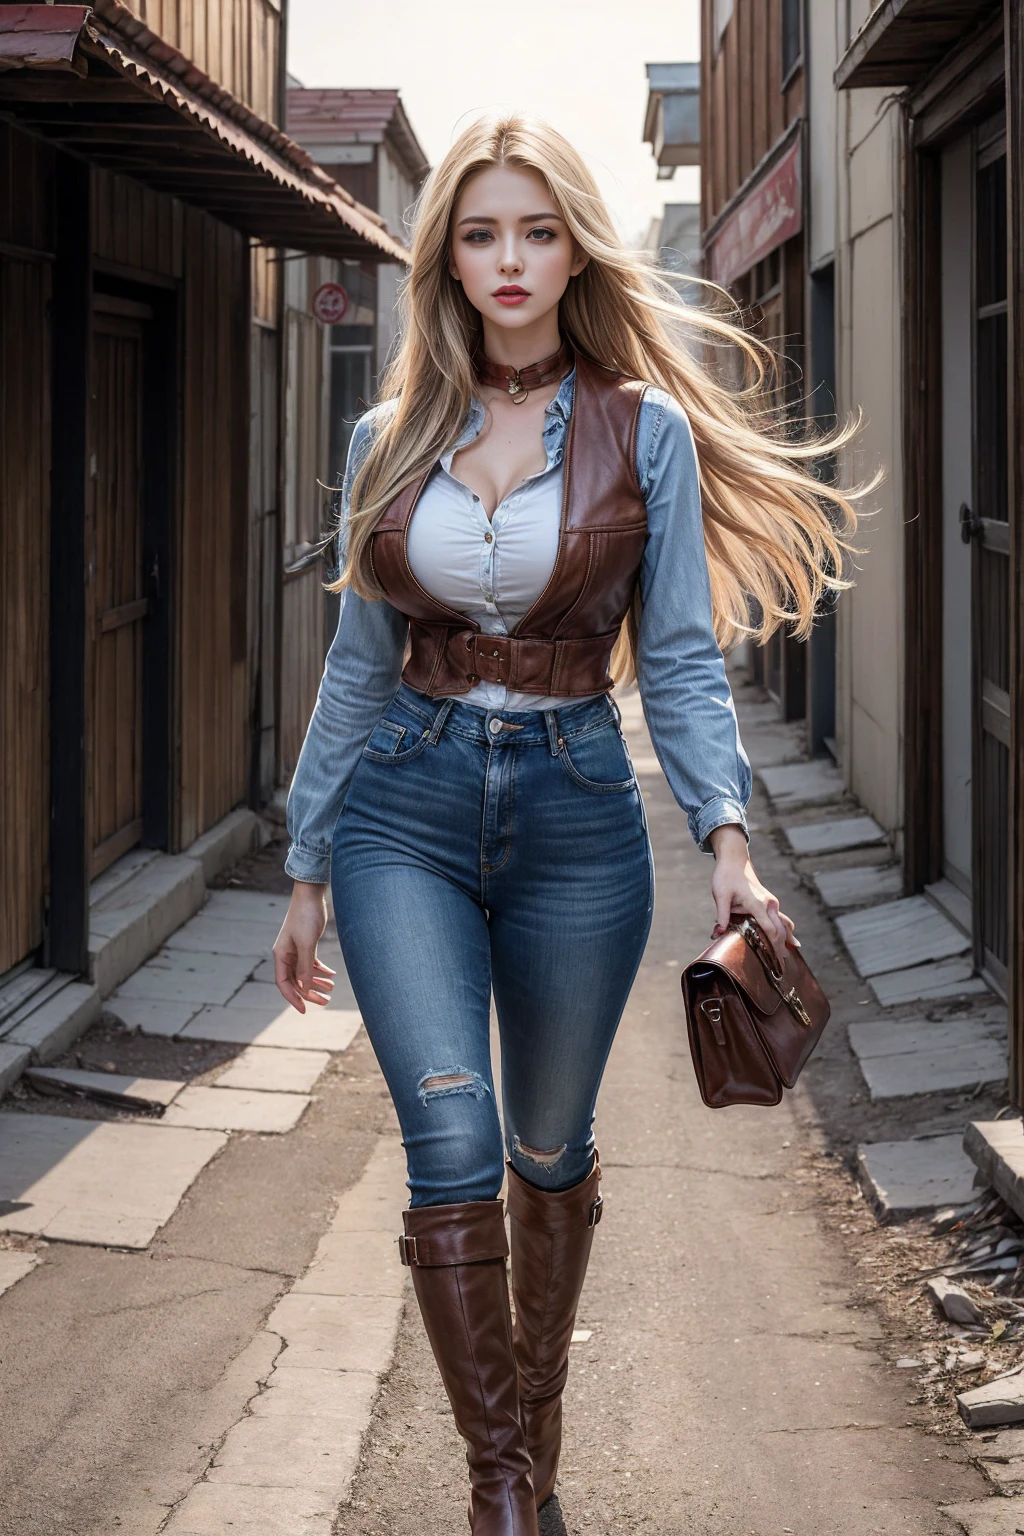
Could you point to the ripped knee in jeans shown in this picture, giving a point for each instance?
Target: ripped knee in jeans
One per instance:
(441, 1085)
(542, 1159)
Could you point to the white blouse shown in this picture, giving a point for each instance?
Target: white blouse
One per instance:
(493, 572)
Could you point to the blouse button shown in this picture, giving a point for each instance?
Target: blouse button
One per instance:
(488, 538)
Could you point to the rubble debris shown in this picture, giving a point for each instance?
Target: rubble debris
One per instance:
(996, 1403)
(953, 1300)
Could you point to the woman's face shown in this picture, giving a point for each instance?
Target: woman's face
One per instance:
(510, 248)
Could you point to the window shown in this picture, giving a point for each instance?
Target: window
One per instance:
(790, 36)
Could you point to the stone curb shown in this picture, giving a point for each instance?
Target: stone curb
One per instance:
(127, 926)
(287, 1462)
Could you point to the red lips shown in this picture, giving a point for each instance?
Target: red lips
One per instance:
(511, 293)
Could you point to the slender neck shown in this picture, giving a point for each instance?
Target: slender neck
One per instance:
(520, 348)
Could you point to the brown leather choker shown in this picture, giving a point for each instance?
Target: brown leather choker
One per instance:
(519, 381)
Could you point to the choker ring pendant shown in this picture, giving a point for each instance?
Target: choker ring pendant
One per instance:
(519, 381)
(516, 390)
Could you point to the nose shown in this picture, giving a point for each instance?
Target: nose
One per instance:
(511, 263)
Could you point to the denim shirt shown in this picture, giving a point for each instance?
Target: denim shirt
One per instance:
(681, 674)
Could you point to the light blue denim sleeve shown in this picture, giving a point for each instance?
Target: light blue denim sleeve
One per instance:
(686, 697)
(361, 676)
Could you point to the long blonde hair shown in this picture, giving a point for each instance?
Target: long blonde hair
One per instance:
(777, 538)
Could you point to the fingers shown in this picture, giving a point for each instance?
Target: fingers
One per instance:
(284, 976)
(723, 911)
(322, 984)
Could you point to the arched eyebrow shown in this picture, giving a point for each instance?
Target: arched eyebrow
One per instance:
(527, 218)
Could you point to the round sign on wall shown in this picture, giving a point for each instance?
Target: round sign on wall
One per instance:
(330, 304)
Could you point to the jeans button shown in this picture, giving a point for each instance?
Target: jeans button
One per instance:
(495, 727)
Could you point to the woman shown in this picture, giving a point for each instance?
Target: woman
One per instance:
(526, 498)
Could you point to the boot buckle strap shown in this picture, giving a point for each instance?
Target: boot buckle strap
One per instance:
(596, 1211)
(407, 1251)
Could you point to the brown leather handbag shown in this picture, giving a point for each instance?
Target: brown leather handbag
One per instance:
(752, 1022)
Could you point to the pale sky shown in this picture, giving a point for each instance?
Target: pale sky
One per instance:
(577, 63)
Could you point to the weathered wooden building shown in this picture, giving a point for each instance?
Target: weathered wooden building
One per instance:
(146, 473)
(363, 139)
(930, 163)
(756, 174)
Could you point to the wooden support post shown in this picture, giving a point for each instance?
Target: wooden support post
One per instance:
(1014, 46)
(67, 944)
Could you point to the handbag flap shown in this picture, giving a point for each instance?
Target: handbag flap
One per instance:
(733, 955)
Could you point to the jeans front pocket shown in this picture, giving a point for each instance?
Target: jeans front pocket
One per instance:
(597, 760)
(391, 742)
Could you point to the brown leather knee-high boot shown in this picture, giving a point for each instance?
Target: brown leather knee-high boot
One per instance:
(552, 1234)
(457, 1256)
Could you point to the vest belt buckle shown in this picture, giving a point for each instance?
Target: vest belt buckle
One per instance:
(493, 652)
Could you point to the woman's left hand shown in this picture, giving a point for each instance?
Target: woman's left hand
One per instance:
(736, 888)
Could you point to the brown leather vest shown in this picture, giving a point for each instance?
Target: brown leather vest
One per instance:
(564, 644)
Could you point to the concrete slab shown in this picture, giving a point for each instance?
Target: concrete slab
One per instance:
(50, 1029)
(997, 1402)
(928, 983)
(235, 1109)
(988, 1517)
(238, 833)
(223, 936)
(355, 1264)
(149, 1016)
(344, 1397)
(14, 1266)
(246, 906)
(322, 1029)
(184, 976)
(274, 1069)
(293, 1450)
(770, 744)
(339, 1333)
(13, 1061)
(131, 923)
(996, 1148)
(211, 1509)
(953, 902)
(811, 783)
(901, 1178)
(113, 1085)
(835, 836)
(902, 1058)
(900, 934)
(89, 1181)
(861, 886)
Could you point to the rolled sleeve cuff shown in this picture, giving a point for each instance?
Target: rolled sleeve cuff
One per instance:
(720, 812)
(304, 864)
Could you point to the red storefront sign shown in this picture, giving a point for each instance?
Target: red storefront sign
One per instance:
(770, 214)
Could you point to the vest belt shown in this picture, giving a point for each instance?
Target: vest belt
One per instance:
(447, 661)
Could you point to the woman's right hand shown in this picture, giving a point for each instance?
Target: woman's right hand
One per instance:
(302, 978)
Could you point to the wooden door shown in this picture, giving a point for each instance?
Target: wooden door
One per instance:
(117, 602)
(986, 525)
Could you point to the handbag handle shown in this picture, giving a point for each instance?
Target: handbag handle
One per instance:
(751, 931)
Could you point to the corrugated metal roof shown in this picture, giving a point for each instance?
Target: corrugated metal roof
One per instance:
(59, 71)
(342, 116)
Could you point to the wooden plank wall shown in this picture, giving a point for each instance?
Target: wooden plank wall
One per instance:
(233, 41)
(212, 673)
(145, 232)
(743, 107)
(26, 223)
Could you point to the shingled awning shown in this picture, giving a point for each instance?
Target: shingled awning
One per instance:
(95, 80)
(902, 40)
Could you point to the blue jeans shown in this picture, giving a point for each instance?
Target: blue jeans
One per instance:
(492, 850)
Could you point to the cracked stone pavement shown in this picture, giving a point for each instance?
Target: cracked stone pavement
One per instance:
(728, 1386)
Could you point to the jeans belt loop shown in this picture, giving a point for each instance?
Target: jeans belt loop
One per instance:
(439, 720)
(551, 725)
